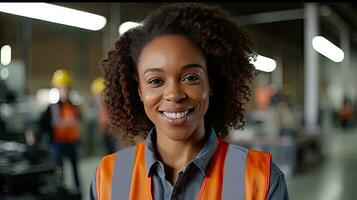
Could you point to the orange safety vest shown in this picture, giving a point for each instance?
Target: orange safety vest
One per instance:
(65, 123)
(257, 176)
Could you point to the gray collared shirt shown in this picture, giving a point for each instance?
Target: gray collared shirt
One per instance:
(189, 180)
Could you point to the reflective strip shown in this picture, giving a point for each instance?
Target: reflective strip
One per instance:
(212, 184)
(104, 177)
(257, 175)
(122, 174)
(55, 114)
(234, 174)
(140, 187)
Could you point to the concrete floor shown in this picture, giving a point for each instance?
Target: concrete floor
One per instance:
(332, 179)
(335, 177)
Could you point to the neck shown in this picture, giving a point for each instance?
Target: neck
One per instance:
(176, 154)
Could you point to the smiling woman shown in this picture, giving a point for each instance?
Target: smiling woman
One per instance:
(180, 79)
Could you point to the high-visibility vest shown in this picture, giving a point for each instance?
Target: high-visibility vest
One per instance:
(128, 179)
(65, 123)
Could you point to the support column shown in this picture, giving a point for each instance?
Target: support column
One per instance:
(345, 46)
(112, 33)
(311, 70)
(25, 38)
(277, 74)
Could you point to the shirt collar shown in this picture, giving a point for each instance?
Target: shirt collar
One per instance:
(201, 160)
(150, 154)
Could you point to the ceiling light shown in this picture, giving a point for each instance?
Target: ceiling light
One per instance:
(327, 48)
(53, 95)
(56, 14)
(5, 54)
(4, 73)
(264, 64)
(124, 27)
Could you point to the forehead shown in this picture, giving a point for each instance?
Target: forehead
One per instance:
(168, 50)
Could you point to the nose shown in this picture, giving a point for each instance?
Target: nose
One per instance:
(174, 93)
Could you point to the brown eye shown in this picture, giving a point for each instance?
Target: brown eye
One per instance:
(191, 78)
(154, 82)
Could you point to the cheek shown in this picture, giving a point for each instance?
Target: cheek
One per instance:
(200, 95)
(149, 98)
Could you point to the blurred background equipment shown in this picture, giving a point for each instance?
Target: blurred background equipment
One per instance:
(26, 169)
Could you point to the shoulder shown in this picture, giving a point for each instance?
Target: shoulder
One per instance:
(122, 155)
(235, 147)
(126, 151)
(237, 150)
(276, 175)
(277, 186)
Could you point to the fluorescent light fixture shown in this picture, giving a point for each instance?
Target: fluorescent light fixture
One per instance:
(56, 14)
(4, 73)
(327, 48)
(42, 96)
(124, 27)
(264, 64)
(53, 96)
(5, 55)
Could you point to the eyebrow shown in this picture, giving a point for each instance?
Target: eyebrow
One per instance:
(158, 69)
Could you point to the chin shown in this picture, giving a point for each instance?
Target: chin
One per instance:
(178, 133)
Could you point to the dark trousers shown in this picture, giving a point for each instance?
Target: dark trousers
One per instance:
(61, 151)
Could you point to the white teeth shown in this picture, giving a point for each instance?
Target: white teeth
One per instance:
(176, 115)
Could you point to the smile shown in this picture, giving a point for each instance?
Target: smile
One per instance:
(176, 117)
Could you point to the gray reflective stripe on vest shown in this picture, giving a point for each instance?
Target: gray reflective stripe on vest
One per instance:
(55, 114)
(233, 187)
(123, 166)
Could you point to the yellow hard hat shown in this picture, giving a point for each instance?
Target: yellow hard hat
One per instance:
(97, 86)
(61, 78)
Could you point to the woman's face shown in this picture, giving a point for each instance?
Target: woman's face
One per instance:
(174, 86)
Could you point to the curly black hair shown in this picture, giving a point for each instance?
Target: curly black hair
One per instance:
(227, 49)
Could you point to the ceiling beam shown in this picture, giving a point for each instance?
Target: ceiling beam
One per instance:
(273, 16)
(270, 17)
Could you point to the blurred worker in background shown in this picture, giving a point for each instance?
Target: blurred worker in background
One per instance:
(345, 113)
(61, 120)
(97, 88)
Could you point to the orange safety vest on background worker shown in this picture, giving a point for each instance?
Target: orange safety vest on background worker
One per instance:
(216, 185)
(65, 123)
